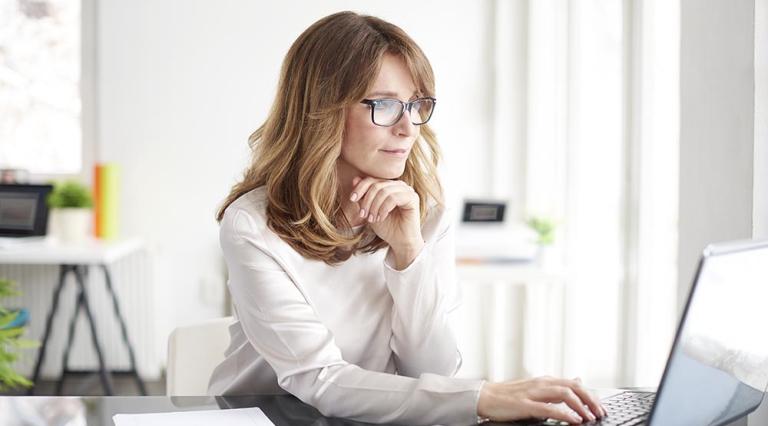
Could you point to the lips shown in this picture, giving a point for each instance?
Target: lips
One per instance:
(396, 153)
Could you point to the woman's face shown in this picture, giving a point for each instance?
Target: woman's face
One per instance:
(371, 150)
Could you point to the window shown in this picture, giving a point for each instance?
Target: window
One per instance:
(40, 70)
(602, 154)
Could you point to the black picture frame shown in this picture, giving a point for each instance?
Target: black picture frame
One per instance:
(40, 225)
(483, 211)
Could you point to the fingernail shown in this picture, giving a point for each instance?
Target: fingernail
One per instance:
(378, 218)
(577, 418)
(362, 212)
(353, 197)
(591, 416)
(370, 218)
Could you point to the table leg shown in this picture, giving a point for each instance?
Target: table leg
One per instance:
(124, 329)
(70, 338)
(48, 323)
(105, 380)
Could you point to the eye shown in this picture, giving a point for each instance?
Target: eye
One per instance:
(386, 103)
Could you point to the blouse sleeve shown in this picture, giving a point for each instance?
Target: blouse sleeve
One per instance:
(425, 294)
(283, 327)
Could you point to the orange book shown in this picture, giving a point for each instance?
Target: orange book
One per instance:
(97, 202)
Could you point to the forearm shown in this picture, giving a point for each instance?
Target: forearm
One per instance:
(423, 297)
(351, 392)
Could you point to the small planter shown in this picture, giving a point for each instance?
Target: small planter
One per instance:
(71, 203)
(544, 256)
(72, 224)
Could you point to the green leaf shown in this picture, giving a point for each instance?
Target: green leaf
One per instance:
(70, 193)
(6, 319)
(11, 332)
(26, 344)
(10, 340)
(7, 357)
(8, 288)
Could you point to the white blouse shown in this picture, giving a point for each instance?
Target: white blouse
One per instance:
(359, 340)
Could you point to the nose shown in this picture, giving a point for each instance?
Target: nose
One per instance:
(404, 127)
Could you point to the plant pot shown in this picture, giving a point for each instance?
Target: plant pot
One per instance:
(547, 257)
(72, 225)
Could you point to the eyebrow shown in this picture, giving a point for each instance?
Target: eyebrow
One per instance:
(387, 93)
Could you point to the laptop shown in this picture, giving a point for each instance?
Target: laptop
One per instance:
(717, 370)
(23, 211)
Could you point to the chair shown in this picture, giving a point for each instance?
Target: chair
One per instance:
(193, 352)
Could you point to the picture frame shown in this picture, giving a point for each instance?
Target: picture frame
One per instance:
(24, 210)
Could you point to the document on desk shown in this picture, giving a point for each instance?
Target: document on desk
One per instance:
(231, 417)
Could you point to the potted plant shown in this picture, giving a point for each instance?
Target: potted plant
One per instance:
(545, 232)
(11, 329)
(71, 202)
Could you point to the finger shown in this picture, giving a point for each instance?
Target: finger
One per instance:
(386, 193)
(568, 396)
(359, 191)
(552, 411)
(393, 194)
(587, 397)
(360, 186)
(370, 195)
(387, 207)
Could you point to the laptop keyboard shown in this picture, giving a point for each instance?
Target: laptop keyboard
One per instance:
(624, 409)
(627, 409)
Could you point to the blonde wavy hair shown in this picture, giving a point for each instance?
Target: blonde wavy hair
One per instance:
(331, 66)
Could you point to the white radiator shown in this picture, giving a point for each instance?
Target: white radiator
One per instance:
(132, 282)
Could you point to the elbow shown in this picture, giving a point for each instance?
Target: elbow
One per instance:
(312, 390)
(443, 363)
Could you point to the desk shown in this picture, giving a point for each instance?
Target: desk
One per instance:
(76, 259)
(282, 410)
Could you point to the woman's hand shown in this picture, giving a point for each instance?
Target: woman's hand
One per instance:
(392, 209)
(538, 397)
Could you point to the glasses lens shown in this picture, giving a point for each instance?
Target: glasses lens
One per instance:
(386, 112)
(421, 111)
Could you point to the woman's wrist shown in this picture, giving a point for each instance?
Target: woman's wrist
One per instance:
(483, 402)
(405, 254)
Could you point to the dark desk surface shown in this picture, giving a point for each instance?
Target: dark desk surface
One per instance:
(282, 410)
(98, 410)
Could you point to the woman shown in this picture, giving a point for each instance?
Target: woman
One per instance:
(340, 252)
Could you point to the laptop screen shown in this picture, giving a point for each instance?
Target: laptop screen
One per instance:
(23, 210)
(17, 210)
(718, 368)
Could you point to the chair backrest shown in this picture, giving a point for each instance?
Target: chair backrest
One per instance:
(193, 352)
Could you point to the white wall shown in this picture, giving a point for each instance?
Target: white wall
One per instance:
(761, 121)
(724, 129)
(181, 85)
(716, 127)
(760, 417)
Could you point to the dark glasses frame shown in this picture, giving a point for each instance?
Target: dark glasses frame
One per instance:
(405, 106)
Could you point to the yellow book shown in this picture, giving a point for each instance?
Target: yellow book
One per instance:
(110, 200)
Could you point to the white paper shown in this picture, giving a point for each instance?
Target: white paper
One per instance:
(231, 417)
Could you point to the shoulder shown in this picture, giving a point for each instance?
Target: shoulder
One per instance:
(245, 217)
(244, 236)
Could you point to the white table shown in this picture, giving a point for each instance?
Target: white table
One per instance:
(77, 258)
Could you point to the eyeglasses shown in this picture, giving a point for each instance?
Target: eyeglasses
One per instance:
(387, 112)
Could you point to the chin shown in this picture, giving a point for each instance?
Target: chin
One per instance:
(387, 173)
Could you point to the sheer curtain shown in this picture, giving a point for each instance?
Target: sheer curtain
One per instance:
(600, 149)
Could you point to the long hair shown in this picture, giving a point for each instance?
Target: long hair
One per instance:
(329, 67)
